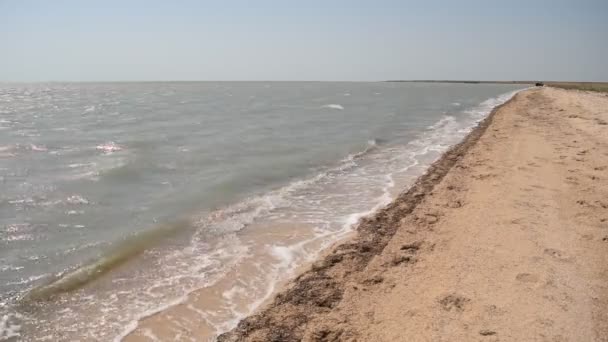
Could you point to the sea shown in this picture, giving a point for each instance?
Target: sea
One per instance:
(170, 210)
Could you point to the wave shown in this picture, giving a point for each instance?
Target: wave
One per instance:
(106, 163)
(122, 252)
(77, 199)
(37, 148)
(108, 147)
(372, 145)
(89, 109)
(445, 120)
(42, 201)
(16, 149)
(222, 221)
(237, 216)
(333, 106)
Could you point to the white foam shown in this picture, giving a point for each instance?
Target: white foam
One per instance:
(443, 122)
(79, 165)
(10, 326)
(284, 254)
(38, 148)
(19, 237)
(77, 199)
(352, 220)
(150, 335)
(333, 106)
(5, 268)
(28, 280)
(89, 109)
(92, 170)
(108, 147)
(185, 270)
(129, 328)
(289, 258)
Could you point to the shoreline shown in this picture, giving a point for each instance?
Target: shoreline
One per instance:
(235, 293)
(374, 286)
(202, 291)
(367, 242)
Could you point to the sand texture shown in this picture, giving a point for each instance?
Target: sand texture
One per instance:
(504, 239)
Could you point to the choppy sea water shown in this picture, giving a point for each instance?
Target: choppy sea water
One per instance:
(121, 200)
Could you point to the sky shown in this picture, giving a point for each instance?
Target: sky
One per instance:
(317, 40)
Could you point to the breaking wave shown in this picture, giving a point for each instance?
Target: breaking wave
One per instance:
(333, 106)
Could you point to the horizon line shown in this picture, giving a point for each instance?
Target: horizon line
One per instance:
(472, 81)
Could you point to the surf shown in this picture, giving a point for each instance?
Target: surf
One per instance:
(253, 202)
(119, 254)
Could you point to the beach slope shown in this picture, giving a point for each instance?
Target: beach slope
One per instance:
(504, 238)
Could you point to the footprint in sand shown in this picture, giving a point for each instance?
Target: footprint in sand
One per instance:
(408, 250)
(454, 204)
(527, 278)
(402, 259)
(454, 302)
(428, 218)
(411, 247)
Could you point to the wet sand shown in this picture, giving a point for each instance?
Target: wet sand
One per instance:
(505, 238)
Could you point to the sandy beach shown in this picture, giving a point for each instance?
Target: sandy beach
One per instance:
(505, 238)
(319, 171)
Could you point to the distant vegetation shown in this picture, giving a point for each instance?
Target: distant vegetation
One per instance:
(592, 86)
(464, 81)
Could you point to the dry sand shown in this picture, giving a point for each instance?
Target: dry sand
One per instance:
(504, 239)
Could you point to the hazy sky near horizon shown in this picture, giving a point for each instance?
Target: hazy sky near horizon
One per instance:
(352, 40)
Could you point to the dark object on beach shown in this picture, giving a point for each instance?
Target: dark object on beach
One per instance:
(539, 84)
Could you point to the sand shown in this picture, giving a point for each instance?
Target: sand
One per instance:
(505, 238)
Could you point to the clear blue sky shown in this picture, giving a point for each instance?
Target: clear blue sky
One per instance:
(303, 40)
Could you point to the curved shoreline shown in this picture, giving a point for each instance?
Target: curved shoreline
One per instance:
(319, 289)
